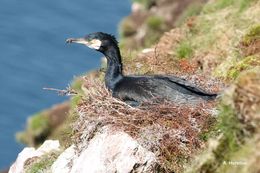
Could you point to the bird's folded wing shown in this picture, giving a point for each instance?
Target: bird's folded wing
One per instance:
(185, 84)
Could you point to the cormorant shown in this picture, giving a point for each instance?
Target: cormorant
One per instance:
(136, 89)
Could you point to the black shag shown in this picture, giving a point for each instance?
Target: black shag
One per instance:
(137, 89)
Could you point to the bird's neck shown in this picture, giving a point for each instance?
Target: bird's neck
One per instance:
(114, 67)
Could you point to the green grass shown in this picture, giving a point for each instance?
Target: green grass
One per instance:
(184, 50)
(42, 164)
(38, 127)
(244, 4)
(39, 123)
(242, 65)
(230, 127)
(154, 22)
(227, 136)
(127, 28)
(241, 5)
(155, 27)
(253, 34)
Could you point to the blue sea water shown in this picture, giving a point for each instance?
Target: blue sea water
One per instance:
(34, 55)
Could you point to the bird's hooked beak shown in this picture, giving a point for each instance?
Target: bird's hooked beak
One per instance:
(93, 44)
(76, 40)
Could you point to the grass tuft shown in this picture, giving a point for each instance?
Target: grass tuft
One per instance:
(252, 35)
(42, 164)
(184, 50)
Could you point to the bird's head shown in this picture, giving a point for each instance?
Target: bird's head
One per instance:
(99, 41)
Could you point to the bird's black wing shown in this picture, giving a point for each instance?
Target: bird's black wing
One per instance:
(187, 85)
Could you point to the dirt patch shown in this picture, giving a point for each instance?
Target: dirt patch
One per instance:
(251, 48)
(58, 113)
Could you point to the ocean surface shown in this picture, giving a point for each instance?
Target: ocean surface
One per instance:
(34, 55)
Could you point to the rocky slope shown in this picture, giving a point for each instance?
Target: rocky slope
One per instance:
(219, 50)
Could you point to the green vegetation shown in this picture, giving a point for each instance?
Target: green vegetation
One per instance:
(226, 137)
(39, 124)
(154, 22)
(184, 50)
(76, 84)
(41, 164)
(244, 64)
(252, 35)
(230, 69)
(240, 5)
(230, 127)
(127, 28)
(64, 133)
(209, 130)
(155, 28)
(246, 157)
(38, 128)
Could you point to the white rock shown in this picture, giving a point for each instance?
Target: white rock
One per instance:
(108, 151)
(148, 50)
(48, 145)
(136, 7)
(113, 151)
(30, 152)
(61, 165)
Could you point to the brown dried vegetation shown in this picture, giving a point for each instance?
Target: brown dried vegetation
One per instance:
(247, 98)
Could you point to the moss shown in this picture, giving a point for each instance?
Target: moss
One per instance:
(39, 123)
(39, 127)
(230, 127)
(154, 22)
(247, 158)
(184, 50)
(253, 34)
(127, 28)
(37, 130)
(244, 64)
(155, 27)
(228, 137)
(41, 164)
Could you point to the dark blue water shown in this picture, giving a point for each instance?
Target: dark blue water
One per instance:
(34, 55)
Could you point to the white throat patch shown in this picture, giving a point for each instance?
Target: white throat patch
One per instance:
(94, 44)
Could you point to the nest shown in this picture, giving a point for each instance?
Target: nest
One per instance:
(169, 130)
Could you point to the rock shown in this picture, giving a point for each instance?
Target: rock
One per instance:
(107, 152)
(61, 165)
(114, 152)
(30, 152)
